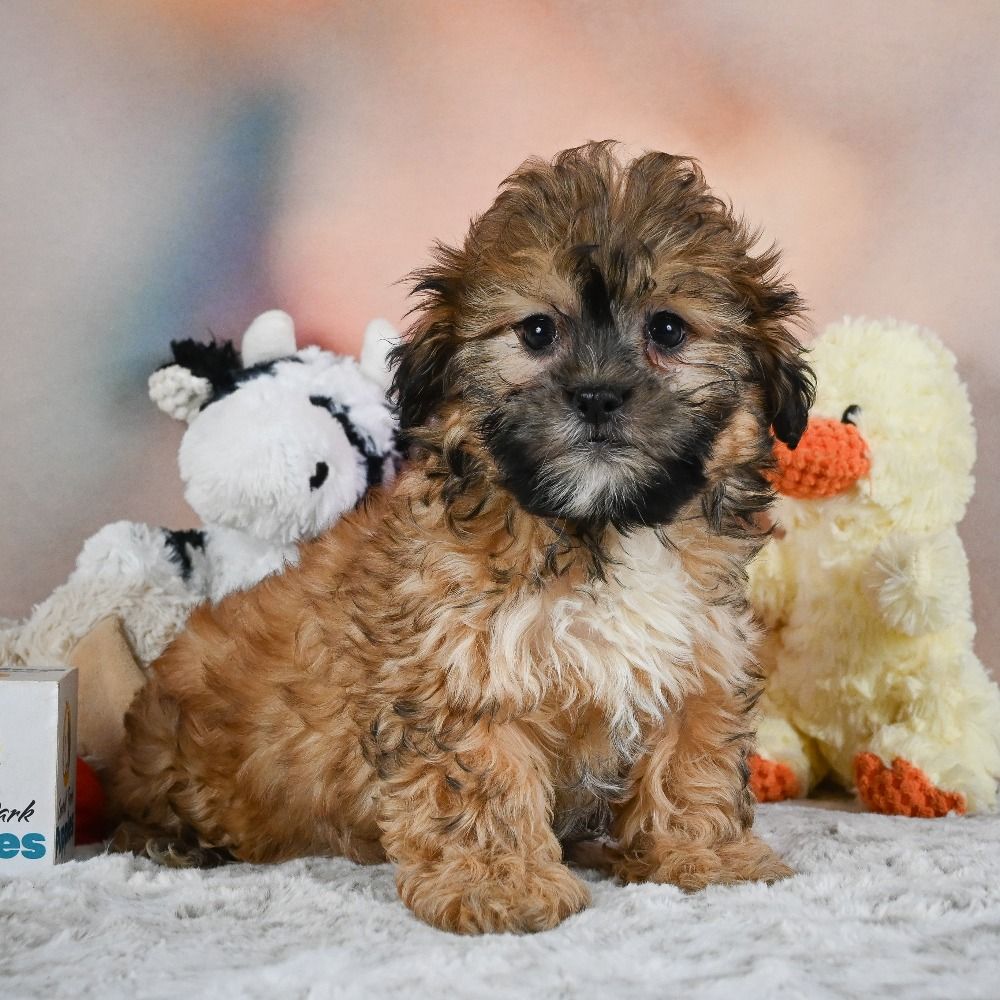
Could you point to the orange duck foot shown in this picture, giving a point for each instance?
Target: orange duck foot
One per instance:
(901, 790)
(772, 781)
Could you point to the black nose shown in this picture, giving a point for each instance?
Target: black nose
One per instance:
(596, 403)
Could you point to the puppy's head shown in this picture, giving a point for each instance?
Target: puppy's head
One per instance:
(610, 341)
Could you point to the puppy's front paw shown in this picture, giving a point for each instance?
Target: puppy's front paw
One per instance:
(472, 896)
(692, 866)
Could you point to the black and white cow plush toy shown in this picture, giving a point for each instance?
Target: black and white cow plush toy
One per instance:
(280, 443)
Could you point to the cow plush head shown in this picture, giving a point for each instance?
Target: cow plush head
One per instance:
(281, 441)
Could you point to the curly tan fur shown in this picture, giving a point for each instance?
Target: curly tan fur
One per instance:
(484, 661)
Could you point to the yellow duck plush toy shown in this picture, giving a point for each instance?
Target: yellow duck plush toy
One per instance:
(864, 590)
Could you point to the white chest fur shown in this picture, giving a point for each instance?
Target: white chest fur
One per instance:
(633, 645)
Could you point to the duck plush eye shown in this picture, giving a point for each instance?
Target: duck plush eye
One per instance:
(666, 330)
(851, 414)
(537, 332)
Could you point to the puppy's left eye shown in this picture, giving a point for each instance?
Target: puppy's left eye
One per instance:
(666, 330)
(537, 332)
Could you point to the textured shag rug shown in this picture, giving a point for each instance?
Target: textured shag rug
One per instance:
(881, 907)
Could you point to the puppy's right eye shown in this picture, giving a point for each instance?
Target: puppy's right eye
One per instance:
(537, 332)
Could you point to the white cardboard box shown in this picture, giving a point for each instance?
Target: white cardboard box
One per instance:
(37, 767)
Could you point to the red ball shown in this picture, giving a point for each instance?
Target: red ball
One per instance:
(91, 805)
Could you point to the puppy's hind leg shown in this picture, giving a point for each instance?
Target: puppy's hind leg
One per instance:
(144, 785)
(166, 848)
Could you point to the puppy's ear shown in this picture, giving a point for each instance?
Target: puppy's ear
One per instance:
(790, 388)
(778, 359)
(420, 361)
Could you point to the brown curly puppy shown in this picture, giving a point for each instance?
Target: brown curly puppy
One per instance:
(540, 631)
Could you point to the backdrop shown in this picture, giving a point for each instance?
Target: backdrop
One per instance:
(171, 168)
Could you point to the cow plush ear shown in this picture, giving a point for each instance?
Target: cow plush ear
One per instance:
(179, 393)
(200, 373)
(778, 359)
(420, 361)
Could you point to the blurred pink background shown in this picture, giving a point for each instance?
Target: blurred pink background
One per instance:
(171, 168)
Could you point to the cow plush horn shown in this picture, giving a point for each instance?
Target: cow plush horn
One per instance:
(270, 336)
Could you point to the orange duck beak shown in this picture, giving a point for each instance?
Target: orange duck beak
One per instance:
(830, 458)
